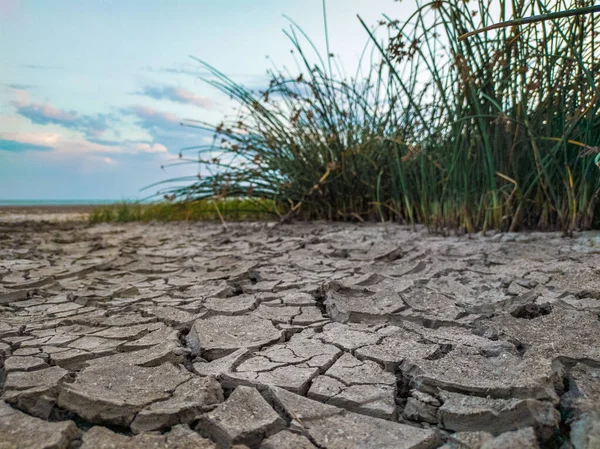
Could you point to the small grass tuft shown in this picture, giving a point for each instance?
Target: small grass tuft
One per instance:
(236, 209)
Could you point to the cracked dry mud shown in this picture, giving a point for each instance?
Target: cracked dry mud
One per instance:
(332, 336)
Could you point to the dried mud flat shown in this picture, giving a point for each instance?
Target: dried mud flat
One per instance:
(300, 336)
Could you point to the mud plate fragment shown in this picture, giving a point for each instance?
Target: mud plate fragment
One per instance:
(18, 430)
(336, 428)
(244, 418)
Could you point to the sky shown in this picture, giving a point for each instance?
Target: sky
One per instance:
(92, 92)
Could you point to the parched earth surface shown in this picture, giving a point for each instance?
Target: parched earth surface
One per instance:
(301, 336)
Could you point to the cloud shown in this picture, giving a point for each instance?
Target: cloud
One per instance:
(177, 95)
(125, 147)
(165, 128)
(43, 114)
(136, 133)
(17, 147)
(21, 97)
(44, 139)
(152, 119)
(150, 148)
(93, 126)
(105, 142)
(32, 141)
(151, 131)
(17, 142)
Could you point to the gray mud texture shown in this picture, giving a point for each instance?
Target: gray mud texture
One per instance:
(301, 336)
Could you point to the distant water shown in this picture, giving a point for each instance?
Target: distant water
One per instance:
(57, 202)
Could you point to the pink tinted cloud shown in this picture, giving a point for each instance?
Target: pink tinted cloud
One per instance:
(185, 96)
(33, 138)
(150, 148)
(52, 112)
(93, 126)
(177, 95)
(56, 142)
(154, 115)
(21, 97)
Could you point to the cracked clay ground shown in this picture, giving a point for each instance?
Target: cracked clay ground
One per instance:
(302, 336)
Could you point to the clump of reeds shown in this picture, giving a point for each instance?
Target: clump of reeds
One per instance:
(511, 111)
(487, 132)
(314, 141)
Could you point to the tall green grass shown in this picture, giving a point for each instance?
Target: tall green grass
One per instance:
(494, 131)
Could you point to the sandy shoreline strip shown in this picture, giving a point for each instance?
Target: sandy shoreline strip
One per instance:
(52, 213)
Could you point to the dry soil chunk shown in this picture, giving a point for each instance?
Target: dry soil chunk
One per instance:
(287, 440)
(348, 336)
(96, 345)
(21, 431)
(428, 306)
(504, 376)
(26, 363)
(130, 332)
(522, 439)
(116, 393)
(585, 433)
(293, 378)
(298, 351)
(234, 305)
(160, 335)
(351, 370)
(360, 386)
(34, 391)
(126, 319)
(190, 399)
(223, 365)
(354, 305)
(289, 365)
(472, 413)
(373, 400)
(467, 440)
(278, 313)
(298, 299)
(417, 410)
(583, 392)
(167, 351)
(179, 437)
(218, 336)
(41, 379)
(71, 359)
(336, 428)
(458, 336)
(245, 417)
(172, 316)
(569, 334)
(395, 349)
